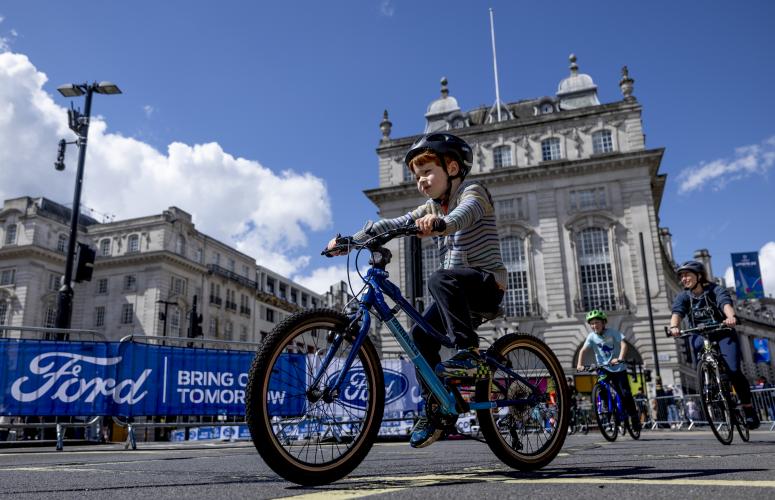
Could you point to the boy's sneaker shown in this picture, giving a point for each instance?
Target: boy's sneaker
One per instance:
(424, 433)
(466, 363)
(751, 418)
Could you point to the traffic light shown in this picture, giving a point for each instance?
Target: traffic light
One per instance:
(84, 266)
(195, 322)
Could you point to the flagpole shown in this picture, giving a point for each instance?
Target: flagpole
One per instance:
(495, 66)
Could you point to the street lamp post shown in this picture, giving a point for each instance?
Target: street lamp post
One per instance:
(79, 123)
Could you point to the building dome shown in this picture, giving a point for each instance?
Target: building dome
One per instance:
(578, 90)
(441, 110)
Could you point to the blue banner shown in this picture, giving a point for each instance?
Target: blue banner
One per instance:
(761, 351)
(46, 378)
(748, 275)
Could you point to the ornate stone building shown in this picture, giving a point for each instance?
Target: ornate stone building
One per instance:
(575, 188)
(147, 272)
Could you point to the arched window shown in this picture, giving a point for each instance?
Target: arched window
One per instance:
(517, 299)
(133, 244)
(62, 243)
(596, 275)
(550, 149)
(502, 157)
(105, 247)
(601, 142)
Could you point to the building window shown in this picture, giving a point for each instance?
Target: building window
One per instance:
(510, 209)
(62, 243)
(601, 142)
(130, 283)
(270, 315)
(199, 255)
(50, 317)
(283, 291)
(99, 316)
(550, 149)
(596, 276)
(180, 247)
(228, 330)
(217, 259)
(175, 322)
(133, 244)
(231, 265)
(430, 264)
(10, 234)
(517, 299)
(213, 327)
(270, 285)
(215, 294)
(243, 334)
(246, 271)
(8, 277)
(502, 157)
(178, 286)
(588, 199)
(102, 286)
(53, 282)
(3, 313)
(408, 175)
(127, 314)
(105, 247)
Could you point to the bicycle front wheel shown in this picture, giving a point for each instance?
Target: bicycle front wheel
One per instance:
(529, 434)
(310, 435)
(604, 413)
(714, 402)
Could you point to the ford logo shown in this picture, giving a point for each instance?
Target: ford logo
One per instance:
(354, 391)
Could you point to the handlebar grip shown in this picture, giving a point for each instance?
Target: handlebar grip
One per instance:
(439, 225)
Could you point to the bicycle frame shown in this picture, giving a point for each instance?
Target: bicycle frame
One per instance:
(617, 401)
(449, 400)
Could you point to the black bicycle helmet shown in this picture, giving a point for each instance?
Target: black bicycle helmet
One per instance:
(443, 144)
(695, 267)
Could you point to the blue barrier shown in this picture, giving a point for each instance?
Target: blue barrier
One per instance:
(128, 379)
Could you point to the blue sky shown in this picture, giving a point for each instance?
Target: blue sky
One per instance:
(262, 118)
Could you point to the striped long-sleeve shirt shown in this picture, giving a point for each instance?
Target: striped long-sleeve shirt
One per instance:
(471, 238)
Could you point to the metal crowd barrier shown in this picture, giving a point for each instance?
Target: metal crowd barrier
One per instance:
(685, 412)
(8, 423)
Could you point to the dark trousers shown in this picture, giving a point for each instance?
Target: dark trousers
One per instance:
(456, 292)
(730, 351)
(619, 381)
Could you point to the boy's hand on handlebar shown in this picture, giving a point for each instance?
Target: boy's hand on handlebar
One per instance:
(675, 331)
(425, 225)
(337, 246)
(731, 322)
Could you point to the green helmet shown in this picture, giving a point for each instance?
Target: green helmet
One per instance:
(596, 314)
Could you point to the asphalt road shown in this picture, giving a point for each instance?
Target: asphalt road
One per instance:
(663, 464)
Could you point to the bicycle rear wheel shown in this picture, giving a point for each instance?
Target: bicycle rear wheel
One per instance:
(529, 435)
(714, 402)
(634, 434)
(304, 434)
(606, 418)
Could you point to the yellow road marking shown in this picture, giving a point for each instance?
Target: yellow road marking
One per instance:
(391, 484)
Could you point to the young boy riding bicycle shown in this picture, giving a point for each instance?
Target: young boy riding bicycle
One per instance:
(610, 350)
(472, 276)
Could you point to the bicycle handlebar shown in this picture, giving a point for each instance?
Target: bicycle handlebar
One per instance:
(594, 367)
(703, 330)
(346, 243)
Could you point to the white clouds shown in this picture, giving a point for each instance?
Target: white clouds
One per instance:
(7, 40)
(767, 266)
(386, 8)
(748, 160)
(239, 201)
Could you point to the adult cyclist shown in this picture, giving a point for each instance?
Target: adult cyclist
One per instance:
(610, 350)
(701, 303)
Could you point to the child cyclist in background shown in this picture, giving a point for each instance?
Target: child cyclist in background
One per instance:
(472, 275)
(610, 350)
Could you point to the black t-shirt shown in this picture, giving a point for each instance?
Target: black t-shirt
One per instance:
(708, 307)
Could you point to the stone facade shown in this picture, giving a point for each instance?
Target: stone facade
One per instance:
(575, 189)
(147, 272)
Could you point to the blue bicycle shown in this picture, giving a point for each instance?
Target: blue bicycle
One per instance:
(608, 407)
(316, 390)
